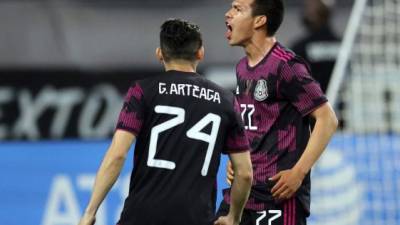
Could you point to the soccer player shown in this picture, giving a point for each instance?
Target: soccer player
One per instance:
(182, 123)
(277, 98)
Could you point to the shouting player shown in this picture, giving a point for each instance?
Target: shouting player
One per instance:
(277, 98)
(182, 123)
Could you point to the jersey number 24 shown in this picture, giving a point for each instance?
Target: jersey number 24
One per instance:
(193, 133)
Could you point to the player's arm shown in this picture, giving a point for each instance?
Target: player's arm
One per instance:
(325, 126)
(229, 173)
(240, 190)
(108, 173)
(289, 181)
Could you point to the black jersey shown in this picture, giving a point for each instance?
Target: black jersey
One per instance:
(183, 123)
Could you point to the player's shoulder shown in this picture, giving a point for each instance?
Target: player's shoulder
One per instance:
(243, 60)
(284, 54)
(289, 59)
(242, 63)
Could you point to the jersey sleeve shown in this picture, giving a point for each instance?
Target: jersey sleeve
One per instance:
(302, 91)
(132, 114)
(237, 140)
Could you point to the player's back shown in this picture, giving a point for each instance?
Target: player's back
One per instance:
(182, 122)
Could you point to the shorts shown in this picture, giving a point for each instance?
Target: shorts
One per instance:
(288, 213)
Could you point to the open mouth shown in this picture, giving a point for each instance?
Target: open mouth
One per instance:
(228, 33)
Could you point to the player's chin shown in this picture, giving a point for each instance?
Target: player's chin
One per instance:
(232, 43)
(235, 42)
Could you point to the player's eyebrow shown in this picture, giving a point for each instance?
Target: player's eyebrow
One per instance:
(236, 5)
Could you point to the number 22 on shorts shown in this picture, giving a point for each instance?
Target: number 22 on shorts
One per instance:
(275, 214)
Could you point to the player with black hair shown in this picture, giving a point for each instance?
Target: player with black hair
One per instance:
(277, 98)
(182, 123)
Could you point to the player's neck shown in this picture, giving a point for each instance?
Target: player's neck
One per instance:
(258, 48)
(180, 66)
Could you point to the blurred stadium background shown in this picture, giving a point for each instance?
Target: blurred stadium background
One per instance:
(65, 65)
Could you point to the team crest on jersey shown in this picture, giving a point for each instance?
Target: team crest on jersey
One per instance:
(261, 90)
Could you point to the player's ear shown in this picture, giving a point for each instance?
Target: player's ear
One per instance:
(200, 53)
(159, 55)
(260, 21)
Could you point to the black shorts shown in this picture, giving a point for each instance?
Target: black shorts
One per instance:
(287, 213)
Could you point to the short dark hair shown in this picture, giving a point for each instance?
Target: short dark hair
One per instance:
(273, 9)
(180, 39)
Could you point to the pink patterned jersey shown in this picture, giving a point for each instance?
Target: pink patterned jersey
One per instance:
(275, 98)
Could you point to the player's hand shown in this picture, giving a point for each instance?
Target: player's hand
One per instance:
(287, 183)
(87, 220)
(226, 220)
(229, 173)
